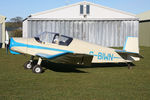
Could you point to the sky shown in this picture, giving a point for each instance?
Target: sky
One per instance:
(23, 8)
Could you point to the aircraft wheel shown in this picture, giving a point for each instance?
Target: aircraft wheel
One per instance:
(28, 65)
(37, 69)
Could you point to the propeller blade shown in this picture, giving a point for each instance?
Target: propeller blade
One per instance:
(7, 36)
(7, 42)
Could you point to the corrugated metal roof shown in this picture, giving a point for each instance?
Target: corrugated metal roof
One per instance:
(144, 15)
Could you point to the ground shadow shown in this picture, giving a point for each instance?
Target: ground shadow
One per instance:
(0, 45)
(61, 67)
(106, 65)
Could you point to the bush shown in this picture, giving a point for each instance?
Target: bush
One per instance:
(16, 33)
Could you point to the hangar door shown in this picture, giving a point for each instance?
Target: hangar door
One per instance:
(101, 32)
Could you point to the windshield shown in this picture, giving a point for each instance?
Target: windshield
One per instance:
(45, 37)
(65, 40)
(55, 38)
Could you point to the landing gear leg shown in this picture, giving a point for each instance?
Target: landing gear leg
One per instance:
(28, 64)
(129, 66)
(37, 68)
(31, 59)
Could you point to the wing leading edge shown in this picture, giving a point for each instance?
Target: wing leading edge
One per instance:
(50, 56)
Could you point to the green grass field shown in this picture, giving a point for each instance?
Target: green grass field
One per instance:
(66, 82)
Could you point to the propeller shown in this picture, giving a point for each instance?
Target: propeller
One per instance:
(7, 42)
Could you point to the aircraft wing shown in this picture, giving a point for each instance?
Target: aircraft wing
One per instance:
(70, 58)
(134, 54)
(50, 56)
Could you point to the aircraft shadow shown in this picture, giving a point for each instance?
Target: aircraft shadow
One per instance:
(59, 67)
(66, 68)
(106, 65)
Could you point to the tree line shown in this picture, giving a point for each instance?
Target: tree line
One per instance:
(14, 26)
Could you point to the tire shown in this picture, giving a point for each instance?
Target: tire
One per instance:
(37, 69)
(28, 65)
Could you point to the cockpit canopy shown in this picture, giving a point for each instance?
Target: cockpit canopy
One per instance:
(56, 38)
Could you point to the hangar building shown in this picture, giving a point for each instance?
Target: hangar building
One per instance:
(85, 21)
(144, 28)
(2, 31)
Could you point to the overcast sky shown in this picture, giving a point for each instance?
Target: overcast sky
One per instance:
(23, 8)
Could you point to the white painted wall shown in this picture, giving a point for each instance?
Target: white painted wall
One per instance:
(25, 28)
(73, 11)
(69, 12)
(2, 21)
(102, 12)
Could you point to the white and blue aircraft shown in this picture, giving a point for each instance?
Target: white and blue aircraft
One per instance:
(53, 46)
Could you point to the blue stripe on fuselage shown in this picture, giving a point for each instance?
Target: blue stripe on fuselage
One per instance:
(13, 43)
(50, 56)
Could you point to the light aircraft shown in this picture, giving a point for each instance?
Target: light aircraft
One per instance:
(51, 45)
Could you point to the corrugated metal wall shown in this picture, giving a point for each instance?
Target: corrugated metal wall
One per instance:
(144, 33)
(101, 32)
(0, 33)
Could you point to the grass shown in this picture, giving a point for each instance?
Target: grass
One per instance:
(66, 82)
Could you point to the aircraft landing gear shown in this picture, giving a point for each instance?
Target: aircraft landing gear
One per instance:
(129, 66)
(28, 64)
(37, 68)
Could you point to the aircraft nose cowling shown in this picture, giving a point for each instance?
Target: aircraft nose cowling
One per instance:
(17, 45)
(12, 43)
